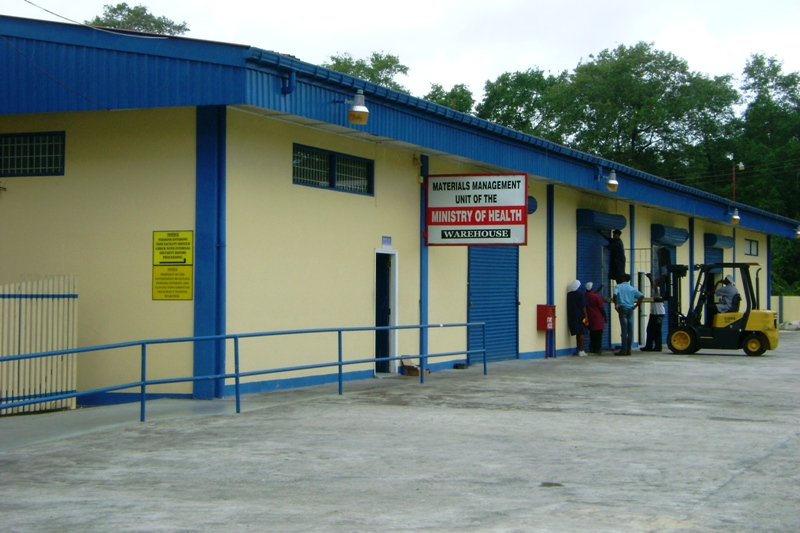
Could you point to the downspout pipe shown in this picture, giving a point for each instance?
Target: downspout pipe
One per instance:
(289, 84)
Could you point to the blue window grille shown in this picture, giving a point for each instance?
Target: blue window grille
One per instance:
(32, 154)
(315, 167)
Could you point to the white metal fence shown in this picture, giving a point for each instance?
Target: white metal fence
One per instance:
(38, 316)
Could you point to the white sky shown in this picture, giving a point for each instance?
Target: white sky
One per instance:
(471, 41)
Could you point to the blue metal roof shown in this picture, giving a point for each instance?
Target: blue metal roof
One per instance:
(56, 67)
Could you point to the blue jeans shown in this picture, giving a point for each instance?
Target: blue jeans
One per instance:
(626, 328)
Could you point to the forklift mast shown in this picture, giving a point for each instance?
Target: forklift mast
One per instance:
(671, 292)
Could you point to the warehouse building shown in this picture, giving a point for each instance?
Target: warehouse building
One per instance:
(195, 188)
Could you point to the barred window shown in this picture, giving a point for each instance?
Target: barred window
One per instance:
(32, 154)
(331, 170)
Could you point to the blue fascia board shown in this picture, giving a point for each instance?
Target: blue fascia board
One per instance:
(55, 67)
(93, 69)
(406, 118)
(81, 35)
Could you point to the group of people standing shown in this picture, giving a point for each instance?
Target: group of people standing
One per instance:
(586, 309)
(586, 313)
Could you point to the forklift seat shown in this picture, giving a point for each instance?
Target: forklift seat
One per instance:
(737, 301)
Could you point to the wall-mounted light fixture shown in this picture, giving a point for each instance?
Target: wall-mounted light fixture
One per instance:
(797, 233)
(611, 180)
(733, 213)
(358, 113)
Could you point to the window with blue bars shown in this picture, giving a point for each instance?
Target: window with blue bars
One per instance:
(32, 154)
(315, 167)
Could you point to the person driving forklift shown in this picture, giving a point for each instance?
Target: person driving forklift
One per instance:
(726, 295)
(727, 299)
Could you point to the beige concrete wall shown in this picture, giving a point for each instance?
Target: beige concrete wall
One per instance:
(741, 255)
(128, 173)
(787, 307)
(533, 272)
(302, 257)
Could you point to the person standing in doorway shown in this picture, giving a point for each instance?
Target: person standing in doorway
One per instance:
(656, 319)
(616, 255)
(626, 299)
(596, 313)
(576, 315)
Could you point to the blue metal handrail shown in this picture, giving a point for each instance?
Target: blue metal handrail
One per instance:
(238, 374)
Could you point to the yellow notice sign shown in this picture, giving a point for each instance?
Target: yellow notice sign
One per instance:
(173, 260)
(173, 248)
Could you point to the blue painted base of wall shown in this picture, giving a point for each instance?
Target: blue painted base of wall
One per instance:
(532, 355)
(295, 383)
(116, 398)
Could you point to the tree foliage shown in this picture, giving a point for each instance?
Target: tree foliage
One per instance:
(380, 68)
(520, 100)
(635, 105)
(769, 143)
(646, 109)
(459, 97)
(123, 16)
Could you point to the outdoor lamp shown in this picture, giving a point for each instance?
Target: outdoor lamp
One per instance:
(734, 214)
(611, 181)
(797, 233)
(358, 114)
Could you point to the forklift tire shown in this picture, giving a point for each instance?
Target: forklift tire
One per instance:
(683, 341)
(754, 344)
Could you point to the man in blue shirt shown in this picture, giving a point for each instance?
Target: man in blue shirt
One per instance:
(626, 299)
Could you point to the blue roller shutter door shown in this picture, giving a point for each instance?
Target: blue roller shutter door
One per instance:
(591, 261)
(714, 255)
(493, 297)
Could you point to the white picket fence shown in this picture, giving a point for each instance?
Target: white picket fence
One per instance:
(38, 316)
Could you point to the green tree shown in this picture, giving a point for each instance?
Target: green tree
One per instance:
(458, 98)
(644, 108)
(769, 144)
(380, 68)
(520, 100)
(137, 18)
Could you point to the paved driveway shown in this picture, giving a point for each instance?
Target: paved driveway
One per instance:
(653, 442)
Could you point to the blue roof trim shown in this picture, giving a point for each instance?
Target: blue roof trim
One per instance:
(57, 67)
(671, 195)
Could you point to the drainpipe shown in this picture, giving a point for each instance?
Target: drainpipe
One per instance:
(288, 84)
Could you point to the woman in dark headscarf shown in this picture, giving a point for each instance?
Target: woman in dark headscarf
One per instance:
(576, 315)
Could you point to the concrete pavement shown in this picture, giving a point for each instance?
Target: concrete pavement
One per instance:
(652, 442)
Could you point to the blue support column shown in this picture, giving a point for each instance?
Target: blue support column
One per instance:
(769, 278)
(209, 274)
(691, 253)
(632, 260)
(423, 258)
(550, 335)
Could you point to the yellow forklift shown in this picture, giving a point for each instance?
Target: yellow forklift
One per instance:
(742, 327)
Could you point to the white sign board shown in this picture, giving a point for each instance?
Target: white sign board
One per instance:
(477, 209)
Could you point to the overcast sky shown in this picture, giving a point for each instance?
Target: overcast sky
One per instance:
(469, 41)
